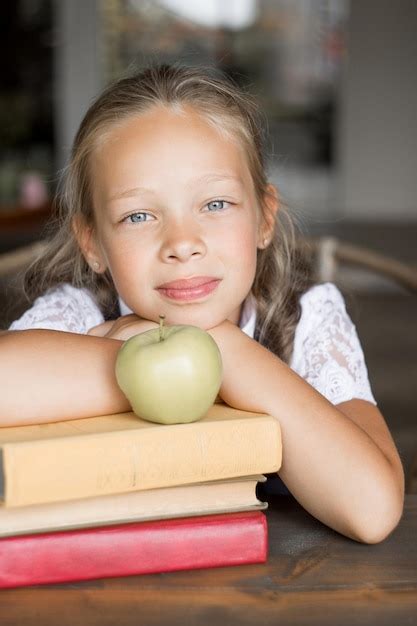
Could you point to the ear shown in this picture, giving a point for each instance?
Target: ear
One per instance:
(270, 209)
(87, 241)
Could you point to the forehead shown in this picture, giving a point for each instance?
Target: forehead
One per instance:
(163, 132)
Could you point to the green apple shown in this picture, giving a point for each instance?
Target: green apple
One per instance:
(170, 374)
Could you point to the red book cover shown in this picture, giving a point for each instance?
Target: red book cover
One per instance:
(131, 549)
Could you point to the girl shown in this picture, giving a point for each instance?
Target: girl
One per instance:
(165, 208)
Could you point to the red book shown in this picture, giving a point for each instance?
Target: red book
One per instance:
(130, 549)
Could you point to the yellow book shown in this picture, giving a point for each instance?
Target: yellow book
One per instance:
(119, 453)
(215, 497)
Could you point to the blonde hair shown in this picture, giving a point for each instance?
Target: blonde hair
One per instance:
(281, 274)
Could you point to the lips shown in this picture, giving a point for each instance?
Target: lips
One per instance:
(189, 290)
(188, 283)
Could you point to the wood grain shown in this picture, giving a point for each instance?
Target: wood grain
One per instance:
(313, 576)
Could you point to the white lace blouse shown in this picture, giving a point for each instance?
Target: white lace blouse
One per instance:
(327, 352)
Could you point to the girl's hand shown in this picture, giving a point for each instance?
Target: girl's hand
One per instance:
(128, 325)
(123, 328)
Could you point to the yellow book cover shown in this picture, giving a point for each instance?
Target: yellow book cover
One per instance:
(119, 453)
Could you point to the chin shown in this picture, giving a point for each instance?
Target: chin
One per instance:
(204, 320)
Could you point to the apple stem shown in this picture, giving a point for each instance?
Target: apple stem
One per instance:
(161, 327)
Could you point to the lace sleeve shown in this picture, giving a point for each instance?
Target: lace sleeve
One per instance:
(64, 308)
(327, 352)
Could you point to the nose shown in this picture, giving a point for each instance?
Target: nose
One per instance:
(182, 242)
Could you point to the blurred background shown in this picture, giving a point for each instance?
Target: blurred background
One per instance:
(337, 80)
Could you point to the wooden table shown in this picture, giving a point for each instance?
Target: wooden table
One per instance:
(313, 576)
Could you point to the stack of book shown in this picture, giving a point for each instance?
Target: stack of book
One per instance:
(115, 495)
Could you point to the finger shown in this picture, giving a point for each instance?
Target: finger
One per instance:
(102, 329)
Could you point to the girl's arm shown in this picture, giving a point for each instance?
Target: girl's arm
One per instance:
(49, 375)
(339, 462)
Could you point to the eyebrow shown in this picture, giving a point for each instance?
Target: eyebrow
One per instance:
(207, 178)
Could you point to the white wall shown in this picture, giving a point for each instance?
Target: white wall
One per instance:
(377, 134)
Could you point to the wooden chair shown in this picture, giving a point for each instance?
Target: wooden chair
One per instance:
(329, 253)
(13, 262)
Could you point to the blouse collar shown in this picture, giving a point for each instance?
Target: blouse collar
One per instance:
(248, 316)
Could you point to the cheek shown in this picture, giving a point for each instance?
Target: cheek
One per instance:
(242, 246)
(241, 262)
(126, 262)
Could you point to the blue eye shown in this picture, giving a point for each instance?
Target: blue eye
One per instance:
(135, 218)
(217, 204)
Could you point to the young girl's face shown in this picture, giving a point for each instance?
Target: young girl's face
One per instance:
(174, 200)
